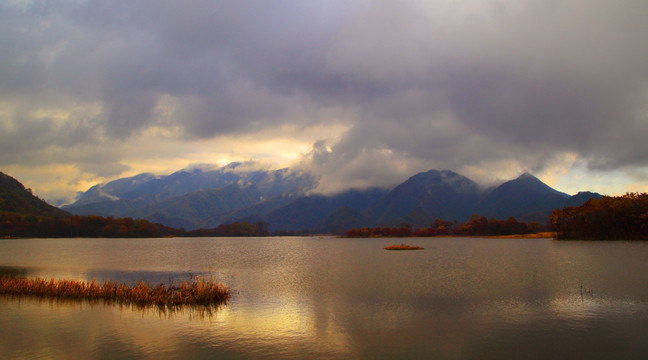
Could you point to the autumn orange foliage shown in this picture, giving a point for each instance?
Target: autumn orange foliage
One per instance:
(608, 218)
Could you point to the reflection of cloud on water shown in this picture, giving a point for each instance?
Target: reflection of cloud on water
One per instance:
(13, 271)
(49, 328)
(37, 272)
(151, 277)
(572, 309)
(289, 325)
(589, 308)
(82, 329)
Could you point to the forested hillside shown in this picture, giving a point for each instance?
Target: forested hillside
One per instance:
(608, 218)
(15, 198)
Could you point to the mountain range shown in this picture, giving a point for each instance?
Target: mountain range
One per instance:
(207, 197)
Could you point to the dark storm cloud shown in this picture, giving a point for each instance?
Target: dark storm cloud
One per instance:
(233, 62)
(525, 82)
(444, 84)
(225, 57)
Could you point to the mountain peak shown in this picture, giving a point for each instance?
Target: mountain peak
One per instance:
(436, 193)
(241, 190)
(525, 198)
(527, 175)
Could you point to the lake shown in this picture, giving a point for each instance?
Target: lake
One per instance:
(330, 298)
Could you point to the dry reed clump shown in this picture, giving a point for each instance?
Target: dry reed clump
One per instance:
(402, 247)
(198, 291)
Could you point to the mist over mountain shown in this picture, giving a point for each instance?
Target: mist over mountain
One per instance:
(207, 197)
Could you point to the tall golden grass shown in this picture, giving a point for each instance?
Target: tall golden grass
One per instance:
(197, 291)
(402, 247)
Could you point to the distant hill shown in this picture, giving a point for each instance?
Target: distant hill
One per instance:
(581, 198)
(525, 198)
(207, 198)
(16, 199)
(198, 207)
(427, 196)
(342, 219)
(326, 213)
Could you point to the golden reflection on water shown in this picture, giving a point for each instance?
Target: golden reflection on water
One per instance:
(289, 325)
(79, 329)
(75, 329)
(151, 329)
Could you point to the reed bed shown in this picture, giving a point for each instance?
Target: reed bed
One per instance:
(197, 291)
(402, 247)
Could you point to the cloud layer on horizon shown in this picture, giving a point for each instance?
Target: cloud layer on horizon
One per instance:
(368, 92)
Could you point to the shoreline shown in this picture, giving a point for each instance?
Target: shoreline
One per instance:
(540, 235)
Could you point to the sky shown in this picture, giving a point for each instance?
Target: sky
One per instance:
(362, 93)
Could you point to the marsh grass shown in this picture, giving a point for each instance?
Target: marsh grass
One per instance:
(402, 247)
(195, 292)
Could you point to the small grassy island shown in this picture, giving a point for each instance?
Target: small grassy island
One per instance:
(402, 247)
(198, 291)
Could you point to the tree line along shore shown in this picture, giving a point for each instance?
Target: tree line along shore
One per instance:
(622, 217)
(91, 226)
(608, 218)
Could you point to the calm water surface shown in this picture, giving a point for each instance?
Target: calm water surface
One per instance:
(299, 298)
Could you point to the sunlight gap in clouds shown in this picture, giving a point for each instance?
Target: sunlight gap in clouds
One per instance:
(279, 146)
(160, 151)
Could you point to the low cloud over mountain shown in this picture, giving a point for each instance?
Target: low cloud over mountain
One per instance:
(360, 93)
(284, 199)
